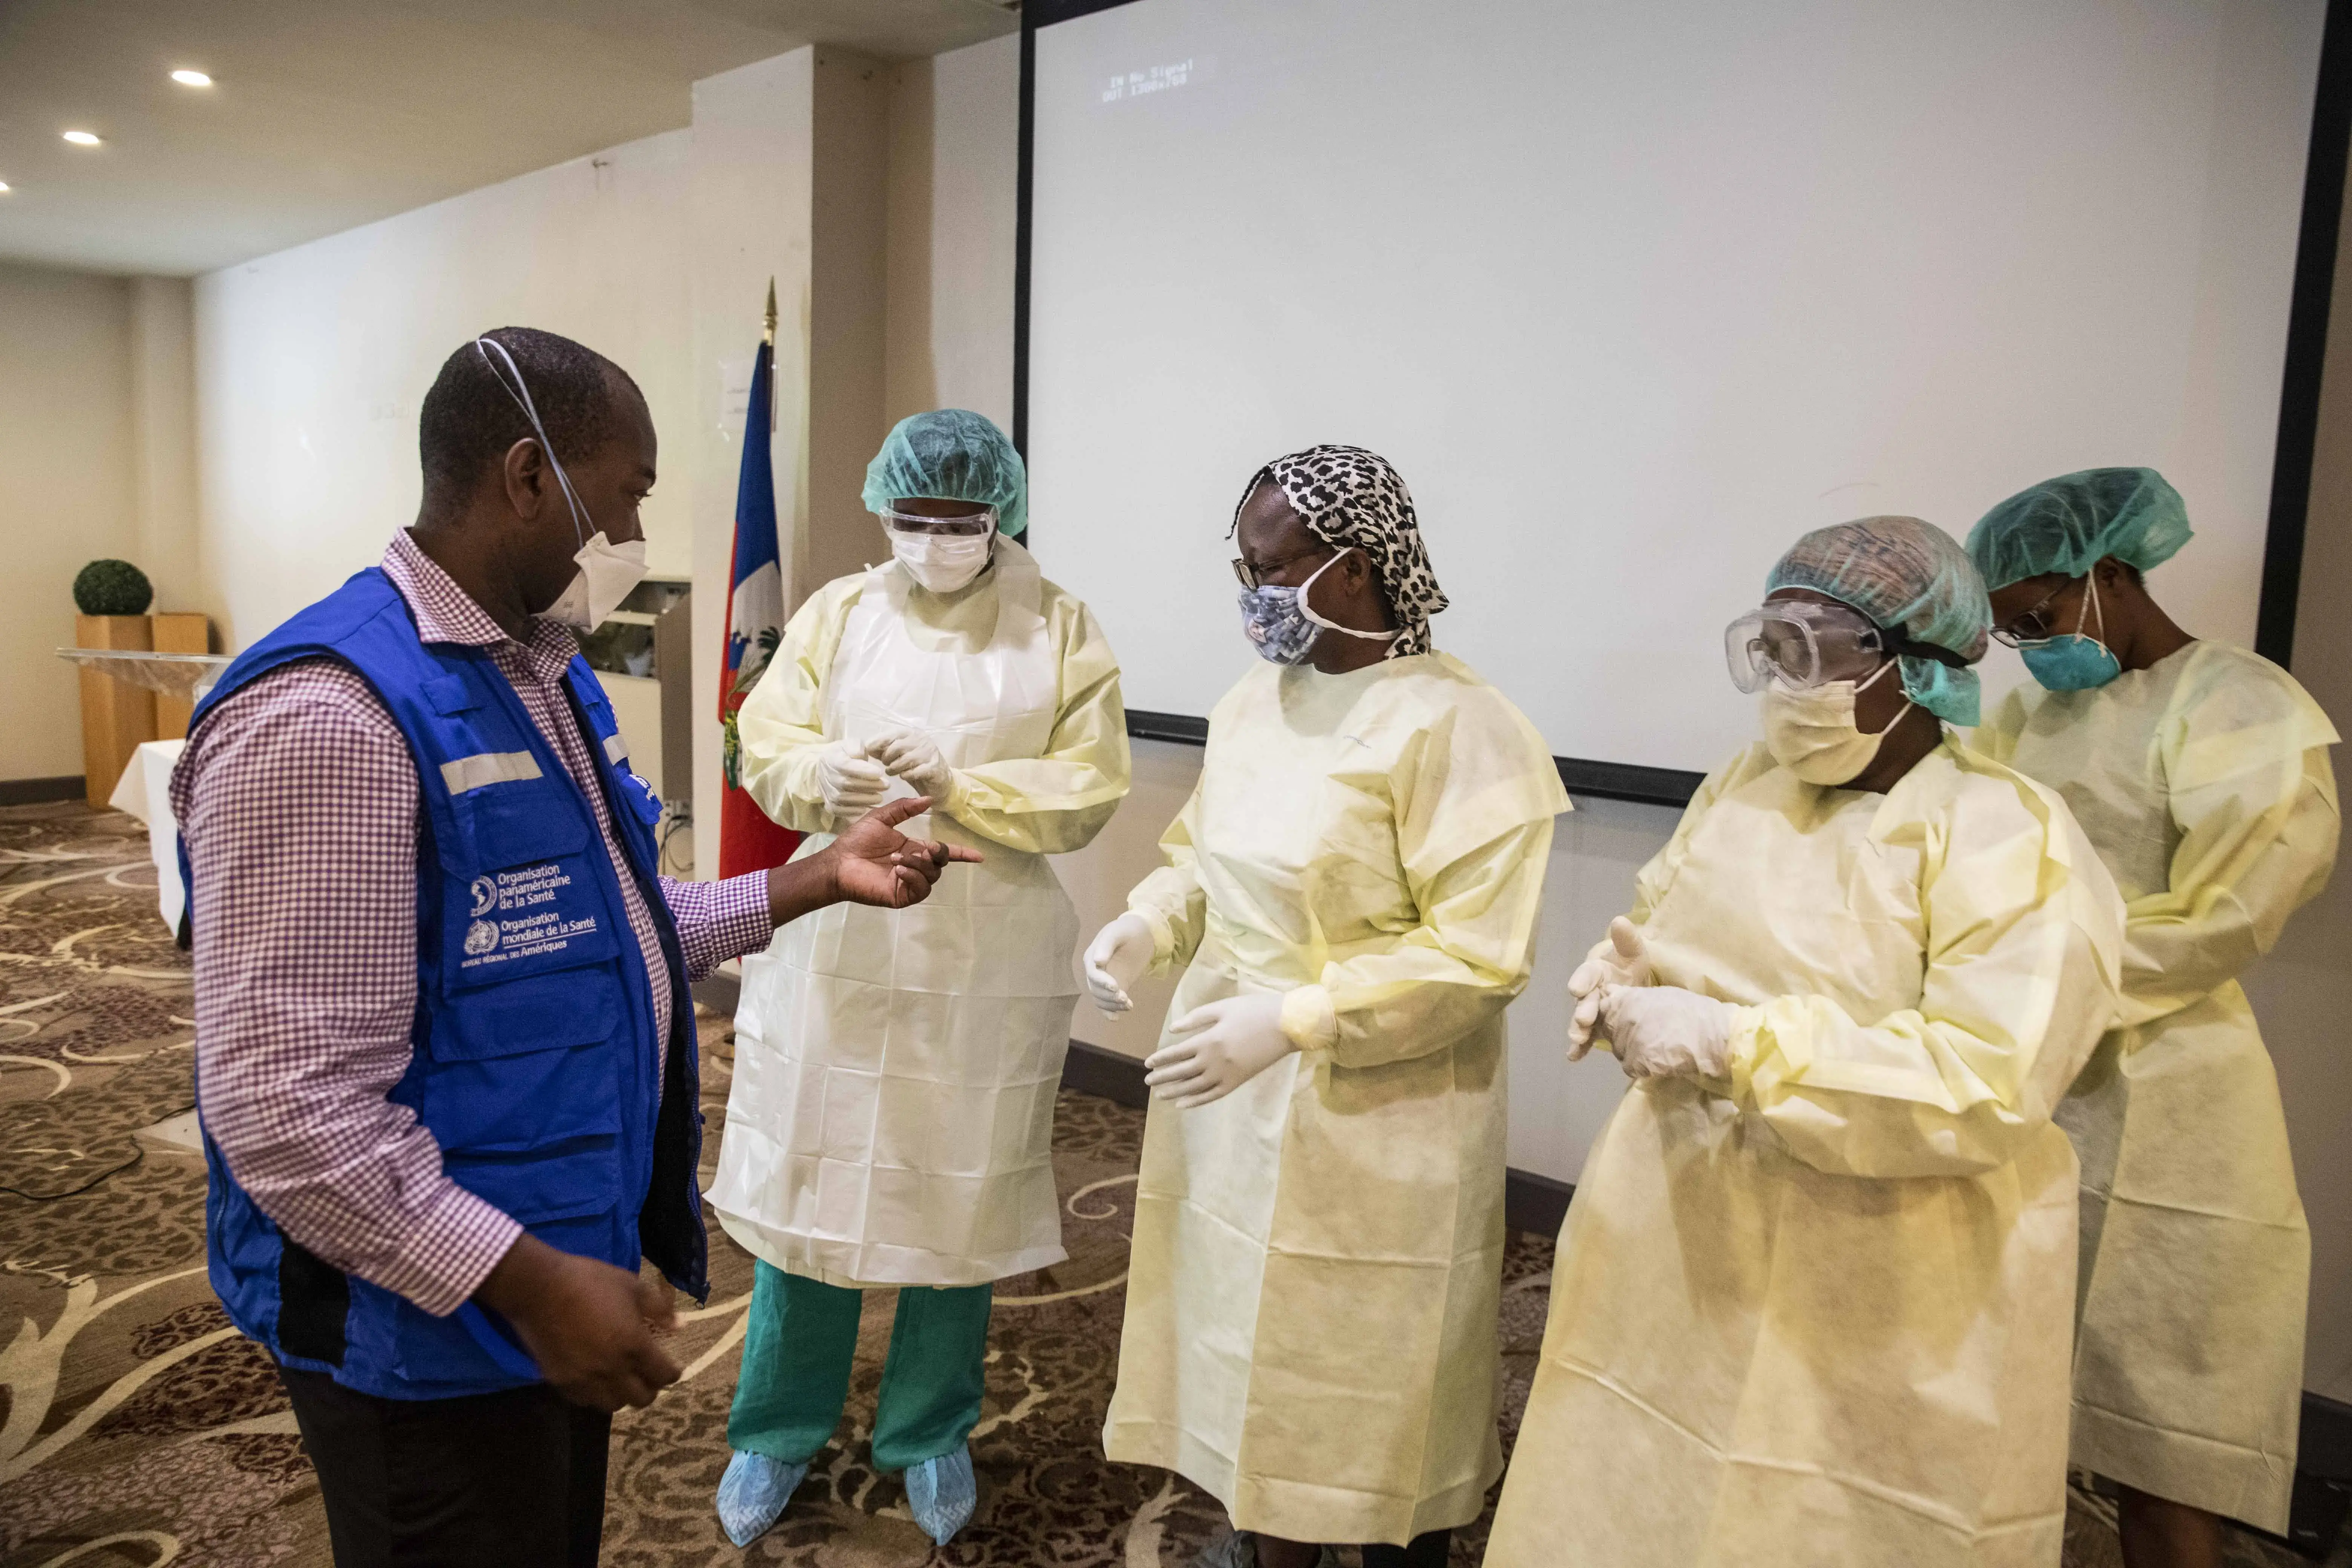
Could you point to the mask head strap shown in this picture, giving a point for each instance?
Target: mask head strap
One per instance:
(1891, 639)
(521, 393)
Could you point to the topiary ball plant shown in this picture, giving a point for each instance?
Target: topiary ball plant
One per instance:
(112, 588)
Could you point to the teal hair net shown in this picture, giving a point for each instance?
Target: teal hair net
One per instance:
(2067, 524)
(1909, 577)
(951, 454)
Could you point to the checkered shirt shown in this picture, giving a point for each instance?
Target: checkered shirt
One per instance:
(297, 801)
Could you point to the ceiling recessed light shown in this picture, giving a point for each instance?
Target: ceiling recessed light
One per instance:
(4, 187)
(192, 78)
(82, 138)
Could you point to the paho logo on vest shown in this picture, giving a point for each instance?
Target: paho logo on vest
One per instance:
(486, 896)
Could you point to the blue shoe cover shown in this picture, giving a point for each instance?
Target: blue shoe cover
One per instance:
(753, 1494)
(942, 1493)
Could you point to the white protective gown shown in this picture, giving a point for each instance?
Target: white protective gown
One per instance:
(1816, 1314)
(2204, 781)
(892, 1114)
(1310, 1331)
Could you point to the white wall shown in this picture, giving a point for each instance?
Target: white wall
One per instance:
(312, 363)
(66, 450)
(954, 167)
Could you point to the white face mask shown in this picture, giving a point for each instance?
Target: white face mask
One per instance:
(1813, 732)
(607, 571)
(943, 562)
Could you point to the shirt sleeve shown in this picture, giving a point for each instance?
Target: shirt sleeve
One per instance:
(781, 728)
(2023, 939)
(1058, 801)
(1474, 808)
(2253, 797)
(299, 818)
(719, 921)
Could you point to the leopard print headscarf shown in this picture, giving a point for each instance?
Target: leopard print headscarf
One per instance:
(1346, 495)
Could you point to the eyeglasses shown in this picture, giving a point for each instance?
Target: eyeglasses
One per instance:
(1254, 577)
(2033, 625)
(970, 525)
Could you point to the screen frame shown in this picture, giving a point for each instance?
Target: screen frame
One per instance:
(2309, 303)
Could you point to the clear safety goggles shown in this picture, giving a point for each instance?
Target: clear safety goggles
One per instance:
(972, 525)
(1802, 644)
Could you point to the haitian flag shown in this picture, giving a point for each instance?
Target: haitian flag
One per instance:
(748, 841)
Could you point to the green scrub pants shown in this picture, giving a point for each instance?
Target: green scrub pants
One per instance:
(796, 1355)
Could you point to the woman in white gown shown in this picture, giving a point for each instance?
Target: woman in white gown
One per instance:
(892, 1115)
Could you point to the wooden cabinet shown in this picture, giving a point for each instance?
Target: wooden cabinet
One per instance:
(116, 716)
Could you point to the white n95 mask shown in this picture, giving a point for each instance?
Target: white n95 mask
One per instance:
(1812, 732)
(943, 562)
(607, 572)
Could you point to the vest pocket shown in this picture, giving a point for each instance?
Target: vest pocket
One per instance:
(545, 1184)
(529, 1067)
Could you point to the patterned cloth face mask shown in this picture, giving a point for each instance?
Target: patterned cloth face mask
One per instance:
(1284, 627)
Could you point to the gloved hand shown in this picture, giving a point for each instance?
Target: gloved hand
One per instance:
(914, 756)
(850, 782)
(1226, 1043)
(1116, 960)
(1620, 958)
(1665, 1031)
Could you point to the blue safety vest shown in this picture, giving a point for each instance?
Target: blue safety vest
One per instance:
(535, 1065)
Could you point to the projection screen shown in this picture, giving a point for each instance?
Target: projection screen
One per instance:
(1634, 291)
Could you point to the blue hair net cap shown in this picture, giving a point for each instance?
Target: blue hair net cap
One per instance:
(1910, 576)
(2068, 524)
(950, 454)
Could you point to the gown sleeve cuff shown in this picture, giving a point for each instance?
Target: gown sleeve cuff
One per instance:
(1307, 1017)
(1746, 1042)
(1164, 935)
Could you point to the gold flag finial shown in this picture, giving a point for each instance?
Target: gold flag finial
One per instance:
(771, 337)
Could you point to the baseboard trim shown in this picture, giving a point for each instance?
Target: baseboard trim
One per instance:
(41, 792)
(1531, 1202)
(1106, 1074)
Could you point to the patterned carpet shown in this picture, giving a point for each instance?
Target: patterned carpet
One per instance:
(139, 1429)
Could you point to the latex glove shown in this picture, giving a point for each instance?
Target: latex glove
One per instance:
(850, 782)
(914, 756)
(1665, 1031)
(1116, 960)
(1620, 958)
(1226, 1043)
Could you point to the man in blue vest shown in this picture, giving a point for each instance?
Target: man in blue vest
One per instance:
(446, 1053)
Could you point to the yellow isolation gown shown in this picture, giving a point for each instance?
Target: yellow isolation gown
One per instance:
(891, 1119)
(1310, 1331)
(1815, 1315)
(2204, 781)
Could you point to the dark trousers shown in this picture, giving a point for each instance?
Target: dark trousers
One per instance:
(1429, 1550)
(514, 1480)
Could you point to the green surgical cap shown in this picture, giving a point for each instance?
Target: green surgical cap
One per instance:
(2068, 524)
(951, 454)
(1909, 576)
